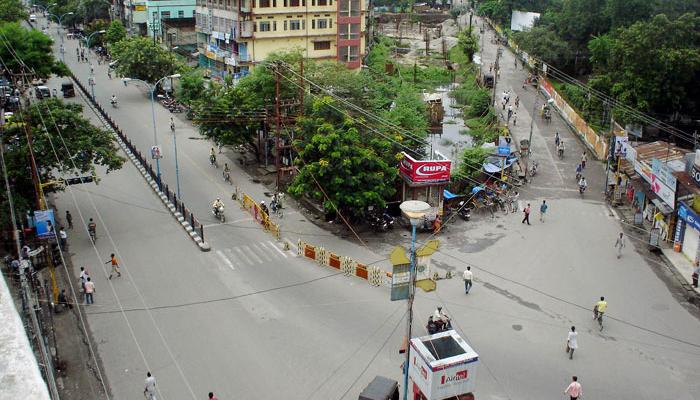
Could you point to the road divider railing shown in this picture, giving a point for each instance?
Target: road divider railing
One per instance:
(177, 207)
(375, 276)
(259, 215)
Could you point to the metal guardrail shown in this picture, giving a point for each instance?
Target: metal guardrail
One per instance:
(180, 209)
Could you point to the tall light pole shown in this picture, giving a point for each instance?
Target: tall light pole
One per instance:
(152, 88)
(89, 38)
(59, 18)
(414, 210)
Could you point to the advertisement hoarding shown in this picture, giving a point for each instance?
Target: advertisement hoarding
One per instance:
(45, 224)
(425, 171)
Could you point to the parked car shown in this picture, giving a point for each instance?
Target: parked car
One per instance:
(42, 92)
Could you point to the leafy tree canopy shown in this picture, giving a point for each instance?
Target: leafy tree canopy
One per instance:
(191, 87)
(139, 57)
(28, 50)
(345, 163)
(85, 144)
(468, 42)
(12, 11)
(116, 32)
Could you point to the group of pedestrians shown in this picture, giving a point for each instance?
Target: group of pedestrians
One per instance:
(526, 212)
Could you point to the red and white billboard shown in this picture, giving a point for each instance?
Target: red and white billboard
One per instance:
(425, 171)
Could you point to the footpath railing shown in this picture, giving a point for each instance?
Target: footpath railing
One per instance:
(176, 206)
(373, 275)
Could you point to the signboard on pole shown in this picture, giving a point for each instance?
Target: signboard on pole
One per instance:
(45, 224)
(400, 278)
(425, 171)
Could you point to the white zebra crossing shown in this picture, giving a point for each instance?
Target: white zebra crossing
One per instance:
(249, 255)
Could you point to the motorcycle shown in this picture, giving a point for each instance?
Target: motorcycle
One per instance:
(115, 103)
(388, 219)
(533, 170)
(578, 176)
(212, 160)
(464, 211)
(219, 213)
(172, 126)
(227, 176)
(376, 223)
(581, 189)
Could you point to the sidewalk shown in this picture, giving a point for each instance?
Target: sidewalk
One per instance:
(678, 263)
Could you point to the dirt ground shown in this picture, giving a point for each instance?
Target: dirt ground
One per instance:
(413, 35)
(78, 377)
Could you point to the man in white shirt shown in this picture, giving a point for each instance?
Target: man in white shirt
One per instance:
(572, 342)
(150, 390)
(83, 277)
(467, 276)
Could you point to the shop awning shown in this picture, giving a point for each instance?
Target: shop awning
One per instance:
(449, 195)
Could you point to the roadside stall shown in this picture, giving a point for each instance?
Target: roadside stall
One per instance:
(425, 180)
(442, 366)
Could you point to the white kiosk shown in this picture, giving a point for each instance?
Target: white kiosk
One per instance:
(443, 366)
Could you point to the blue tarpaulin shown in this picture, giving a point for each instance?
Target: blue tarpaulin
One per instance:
(448, 195)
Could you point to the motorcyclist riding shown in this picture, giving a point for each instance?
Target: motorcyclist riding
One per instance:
(172, 124)
(560, 149)
(114, 100)
(582, 184)
(263, 207)
(217, 207)
(212, 156)
(227, 172)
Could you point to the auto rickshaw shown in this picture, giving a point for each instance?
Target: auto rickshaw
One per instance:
(68, 89)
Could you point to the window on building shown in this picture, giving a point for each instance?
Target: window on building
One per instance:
(264, 26)
(313, 24)
(193, 13)
(330, 23)
(181, 14)
(294, 3)
(165, 14)
(322, 24)
(274, 25)
(325, 45)
(321, 2)
(155, 15)
(263, 3)
(285, 25)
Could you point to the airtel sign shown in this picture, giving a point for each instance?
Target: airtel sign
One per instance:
(428, 171)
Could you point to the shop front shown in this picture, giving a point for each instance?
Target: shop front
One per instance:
(425, 180)
(687, 232)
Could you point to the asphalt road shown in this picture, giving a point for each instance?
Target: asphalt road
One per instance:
(299, 333)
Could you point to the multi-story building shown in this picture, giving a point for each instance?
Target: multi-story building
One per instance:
(153, 17)
(234, 35)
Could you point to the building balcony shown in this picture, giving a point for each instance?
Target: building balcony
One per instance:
(246, 6)
(247, 29)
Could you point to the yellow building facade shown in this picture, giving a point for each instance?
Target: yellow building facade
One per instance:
(235, 35)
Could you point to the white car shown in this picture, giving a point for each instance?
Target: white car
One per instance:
(32, 18)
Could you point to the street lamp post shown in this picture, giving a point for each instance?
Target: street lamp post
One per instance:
(152, 89)
(415, 211)
(89, 38)
(60, 23)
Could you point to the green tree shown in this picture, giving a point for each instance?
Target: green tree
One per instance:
(468, 42)
(338, 160)
(116, 32)
(97, 26)
(85, 145)
(29, 51)
(472, 160)
(545, 44)
(12, 11)
(192, 86)
(139, 57)
(410, 114)
(224, 114)
(653, 66)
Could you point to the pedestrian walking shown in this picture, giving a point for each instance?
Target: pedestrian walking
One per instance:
(467, 276)
(517, 101)
(89, 291)
(84, 275)
(150, 388)
(92, 69)
(696, 273)
(526, 217)
(572, 342)
(69, 220)
(77, 53)
(109, 73)
(212, 397)
(583, 160)
(619, 244)
(515, 117)
(115, 266)
(543, 210)
(62, 238)
(574, 390)
(557, 139)
(510, 112)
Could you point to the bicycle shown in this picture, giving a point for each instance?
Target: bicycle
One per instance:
(599, 317)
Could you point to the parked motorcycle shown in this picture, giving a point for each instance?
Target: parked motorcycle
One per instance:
(376, 223)
(219, 213)
(464, 211)
(388, 219)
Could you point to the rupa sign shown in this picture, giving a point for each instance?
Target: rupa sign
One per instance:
(425, 171)
(695, 171)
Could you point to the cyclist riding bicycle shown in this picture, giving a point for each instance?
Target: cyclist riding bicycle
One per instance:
(600, 307)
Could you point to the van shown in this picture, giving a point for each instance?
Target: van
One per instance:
(68, 89)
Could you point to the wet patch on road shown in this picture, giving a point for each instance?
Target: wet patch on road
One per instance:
(513, 297)
(517, 327)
